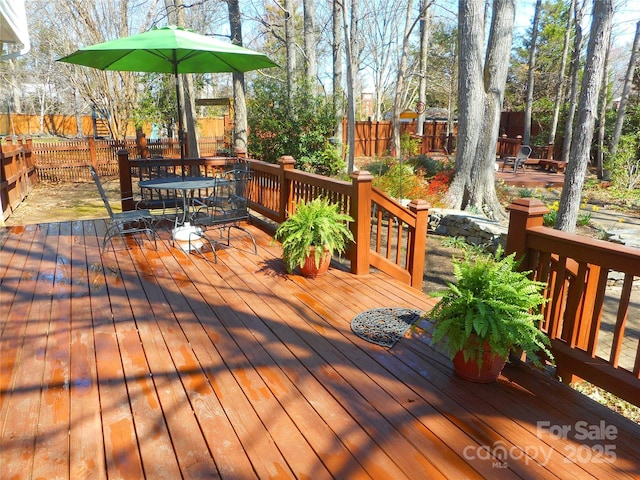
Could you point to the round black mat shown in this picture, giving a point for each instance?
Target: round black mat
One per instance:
(384, 326)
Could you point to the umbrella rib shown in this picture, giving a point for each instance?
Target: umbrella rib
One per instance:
(160, 55)
(108, 65)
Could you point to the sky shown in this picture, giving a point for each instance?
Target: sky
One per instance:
(626, 15)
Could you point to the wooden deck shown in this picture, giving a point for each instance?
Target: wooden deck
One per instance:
(155, 364)
(532, 177)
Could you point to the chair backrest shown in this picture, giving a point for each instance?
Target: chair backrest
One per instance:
(103, 195)
(524, 152)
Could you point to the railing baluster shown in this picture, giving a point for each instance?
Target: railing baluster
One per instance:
(399, 243)
(597, 312)
(621, 320)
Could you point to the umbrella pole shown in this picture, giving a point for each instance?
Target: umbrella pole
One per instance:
(180, 125)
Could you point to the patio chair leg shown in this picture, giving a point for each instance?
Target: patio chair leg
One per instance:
(198, 249)
(247, 232)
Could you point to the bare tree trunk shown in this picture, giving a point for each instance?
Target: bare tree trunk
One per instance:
(563, 65)
(14, 86)
(480, 98)
(599, 38)
(603, 114)
(424, 45)
(76, 96)
(402, 70)
(526, 137)
(176, 14)
(351, 40)
(337, 69)
(626, 89)
(310, 42)
(239, 101)
(574, 72)
(470, 97)
(290, 47)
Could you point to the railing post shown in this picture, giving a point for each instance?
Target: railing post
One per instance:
(361, 227)
(418, 246)
(93, 156)
(28, 152)
(524, 213)
(286, 162)
(141, 141)
(126, 189)
(518, 144)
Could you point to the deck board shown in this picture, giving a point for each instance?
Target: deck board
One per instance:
(86, 459)
(143, 362)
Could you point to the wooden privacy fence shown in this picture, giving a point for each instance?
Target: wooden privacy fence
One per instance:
(17, 176)
(86, 125)
(374, 138)
(576, 270)
(65, 161)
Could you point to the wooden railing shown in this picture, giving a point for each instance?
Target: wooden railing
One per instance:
(508, 147)
(398, 238)
(577, 270)
(387, 235)
(17, 176)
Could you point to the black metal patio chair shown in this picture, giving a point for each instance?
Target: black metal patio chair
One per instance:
(226, 206)
(124, 223)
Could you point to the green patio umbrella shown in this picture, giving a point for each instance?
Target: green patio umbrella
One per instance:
(170, 49)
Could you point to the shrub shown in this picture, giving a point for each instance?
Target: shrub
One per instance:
(400, 181)
(327, 161)
(408, 146)
(429, 165)
(299, 127)
(625, 164)
(439, 184)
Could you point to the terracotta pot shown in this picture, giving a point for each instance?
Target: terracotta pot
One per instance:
(309, 268)
(492, 365)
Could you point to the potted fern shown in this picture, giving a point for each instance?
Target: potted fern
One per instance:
(312, 234)
(490, 309)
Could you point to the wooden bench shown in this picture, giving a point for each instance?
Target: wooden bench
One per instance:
(552, 165)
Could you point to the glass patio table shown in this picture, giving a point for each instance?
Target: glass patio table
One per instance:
(183, 186)
(186, 236)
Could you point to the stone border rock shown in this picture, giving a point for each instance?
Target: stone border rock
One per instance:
(475, 229)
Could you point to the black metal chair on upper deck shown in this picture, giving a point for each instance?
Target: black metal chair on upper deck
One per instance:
(124, 223)
(518, 161)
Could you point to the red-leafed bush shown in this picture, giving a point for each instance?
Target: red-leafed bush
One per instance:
(440, 182)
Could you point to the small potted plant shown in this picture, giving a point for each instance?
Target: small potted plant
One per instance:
(312, 234)
(490, 309)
